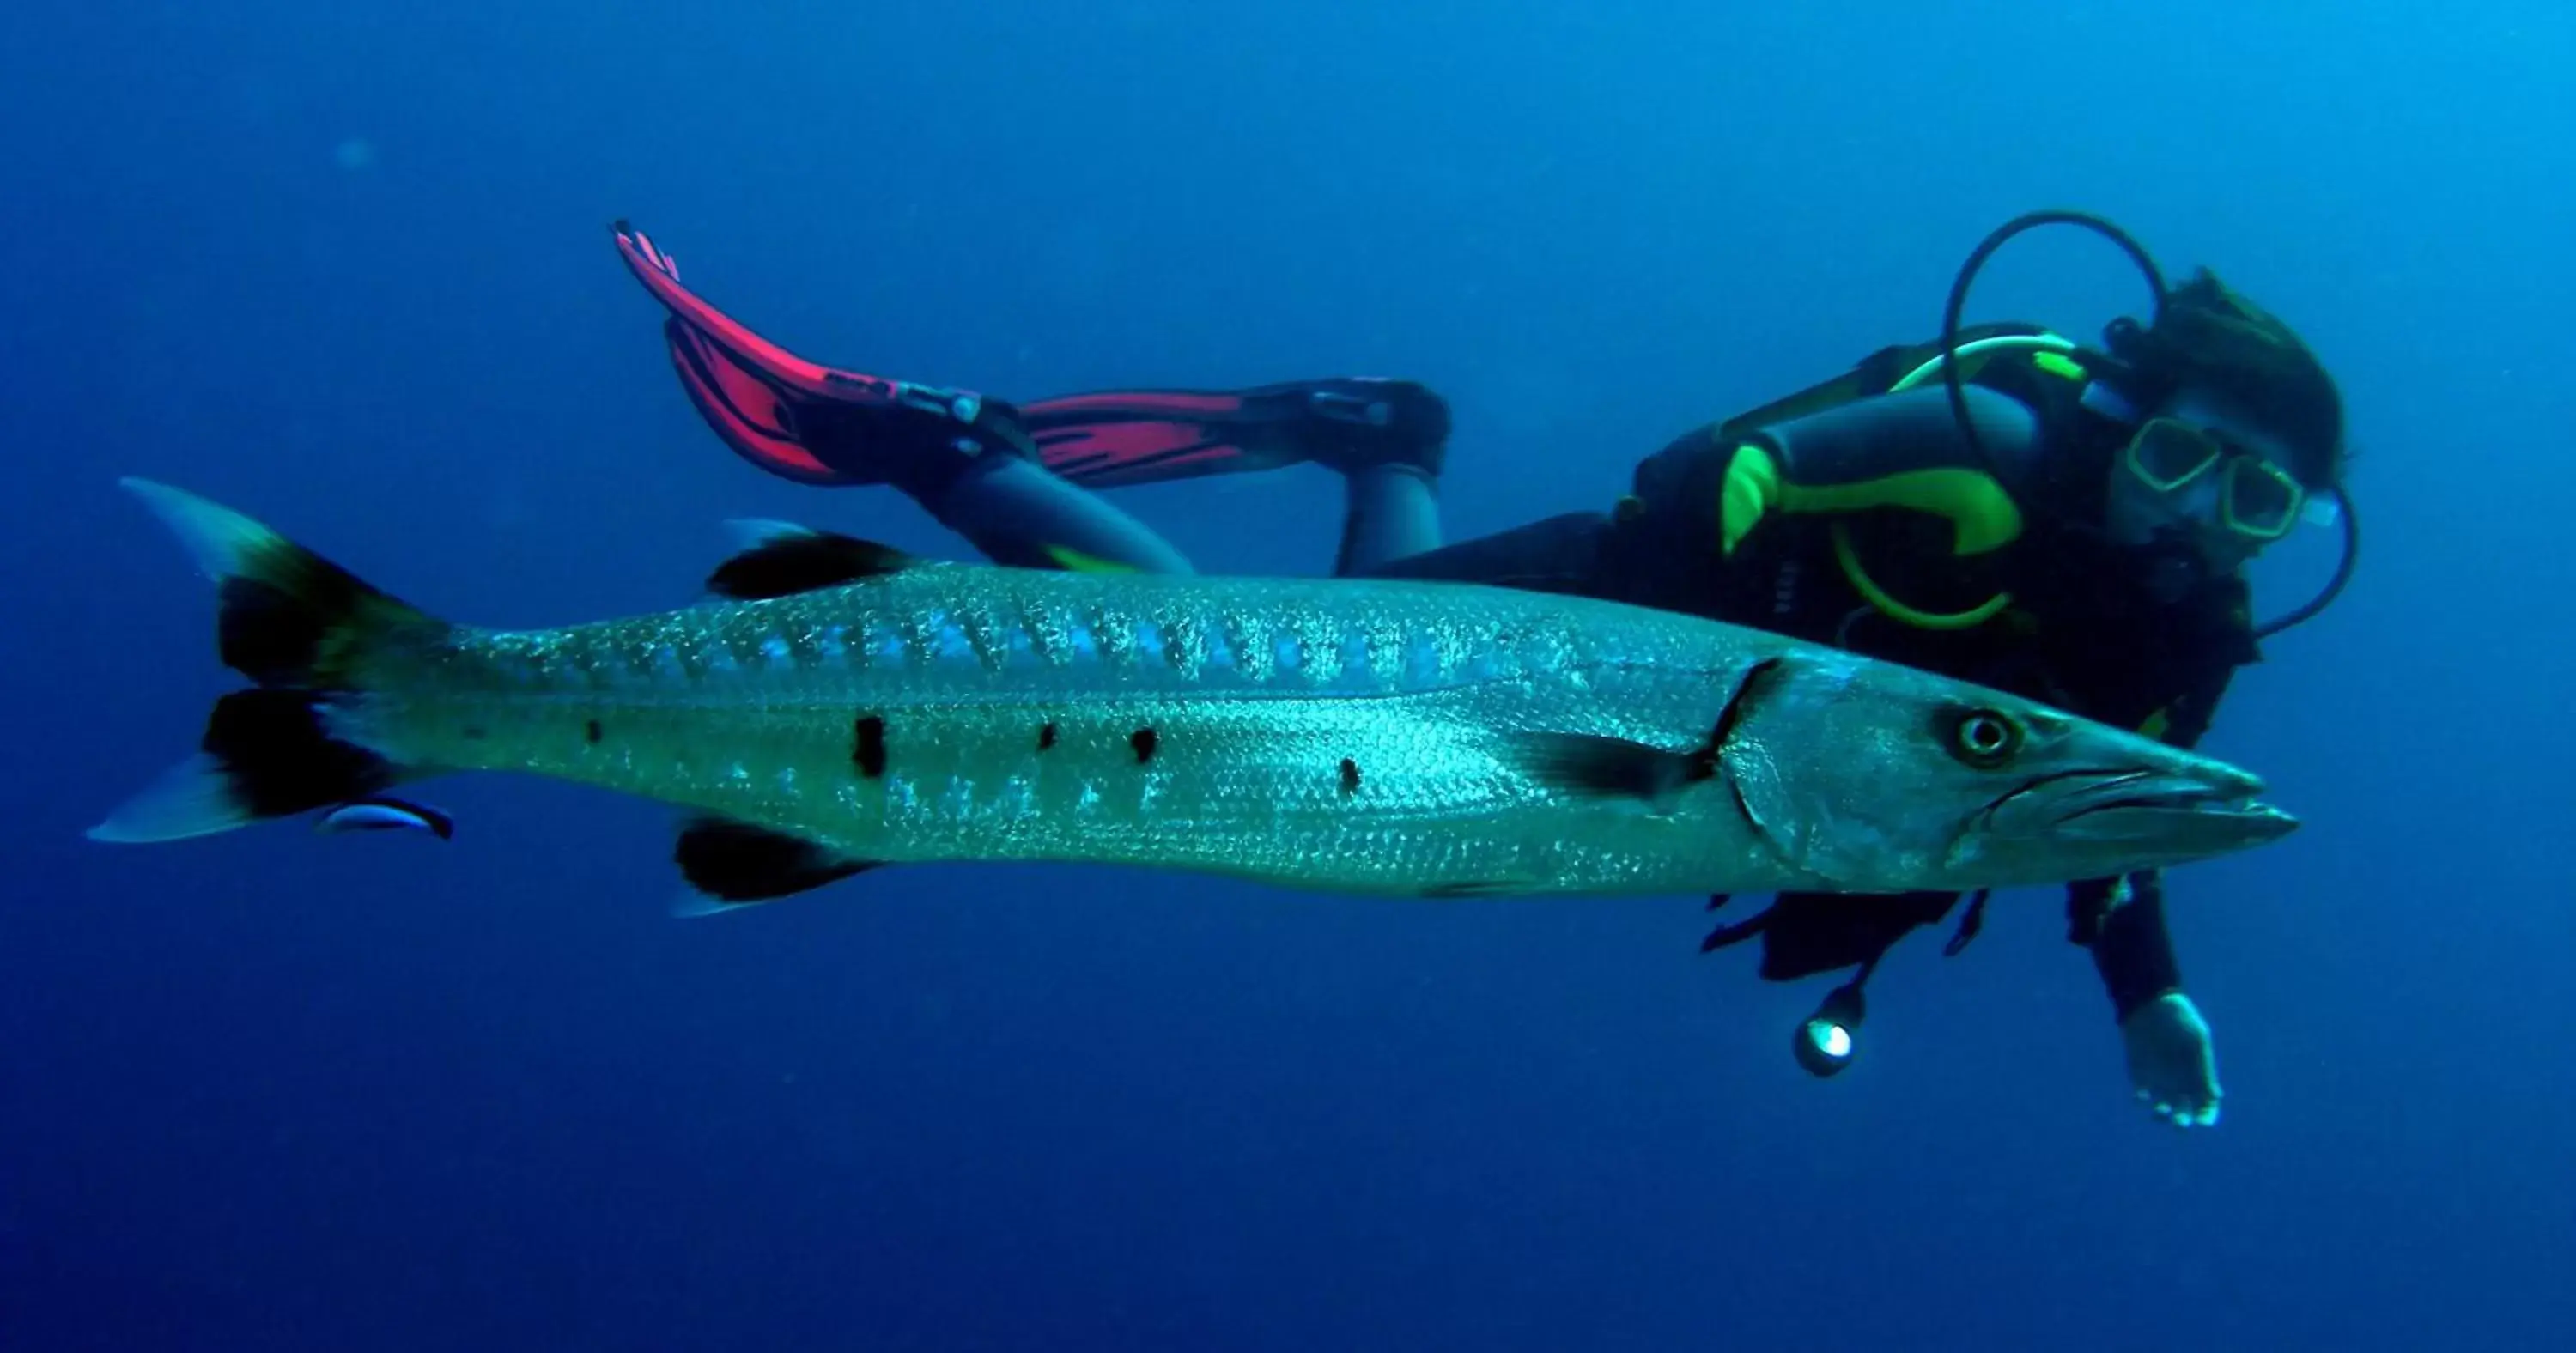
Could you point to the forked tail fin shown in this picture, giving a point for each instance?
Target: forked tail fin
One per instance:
(303, 629)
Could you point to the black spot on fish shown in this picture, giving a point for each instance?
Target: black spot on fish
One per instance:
(1143, 740)
(1046, 736)
(869, 750)
(473, 732)
(1350, 776)
(591, 732)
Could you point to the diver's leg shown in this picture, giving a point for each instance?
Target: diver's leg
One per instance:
(1020, 515)
(1391, 512)
(1560, 554)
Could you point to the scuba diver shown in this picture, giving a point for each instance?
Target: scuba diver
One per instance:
(2002, 505)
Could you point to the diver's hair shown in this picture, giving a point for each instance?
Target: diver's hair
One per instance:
(2210, 337)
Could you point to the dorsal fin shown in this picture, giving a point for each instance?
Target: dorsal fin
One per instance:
(782, 559)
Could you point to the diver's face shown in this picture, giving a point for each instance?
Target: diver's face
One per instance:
(2203, 474)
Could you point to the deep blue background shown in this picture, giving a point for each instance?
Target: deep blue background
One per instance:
(271, 1092)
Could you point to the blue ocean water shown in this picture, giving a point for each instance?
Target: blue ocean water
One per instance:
(345, 266)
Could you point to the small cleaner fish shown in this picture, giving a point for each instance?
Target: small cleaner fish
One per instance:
(836, 706)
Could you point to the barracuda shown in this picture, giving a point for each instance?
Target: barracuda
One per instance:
(838, 706)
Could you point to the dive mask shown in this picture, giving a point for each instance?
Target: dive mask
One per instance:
(2211, 477)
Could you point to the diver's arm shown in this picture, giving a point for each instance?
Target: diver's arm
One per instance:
(2132, 949)
(1902, 450)
(2123, 920)
(2173, 1061)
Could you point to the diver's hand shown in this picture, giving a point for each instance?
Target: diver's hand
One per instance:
(2171, 1061)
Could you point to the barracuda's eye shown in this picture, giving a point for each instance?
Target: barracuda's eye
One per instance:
(1984, 738)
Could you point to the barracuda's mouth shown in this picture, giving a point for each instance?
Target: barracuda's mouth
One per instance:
(2196, 813)
(2190, 813)
(2148, 790)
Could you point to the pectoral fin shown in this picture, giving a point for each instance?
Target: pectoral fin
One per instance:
(1607, 767)
(1611, 767)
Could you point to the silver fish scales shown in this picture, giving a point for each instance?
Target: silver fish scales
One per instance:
(1397, 738)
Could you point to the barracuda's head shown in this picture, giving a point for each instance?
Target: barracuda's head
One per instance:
(1881, 777)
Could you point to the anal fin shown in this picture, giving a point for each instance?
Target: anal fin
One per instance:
(732, 864)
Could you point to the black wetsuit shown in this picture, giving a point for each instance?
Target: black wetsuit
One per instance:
(2137, 641)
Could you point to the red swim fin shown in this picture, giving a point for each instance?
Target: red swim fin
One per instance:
(798, 419)
(775, 365)
(1133, 437)
(823, 425)
(1146, 437)
(751, 415)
